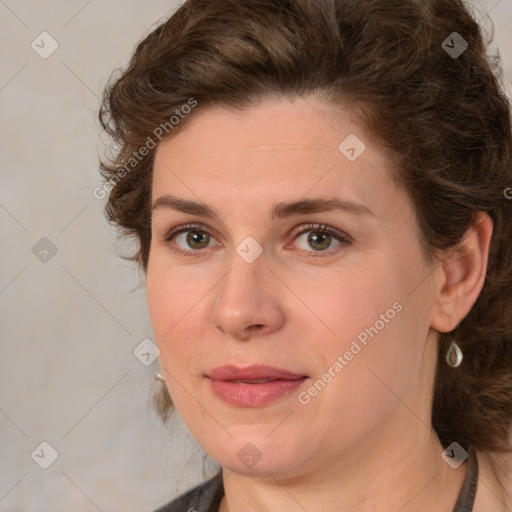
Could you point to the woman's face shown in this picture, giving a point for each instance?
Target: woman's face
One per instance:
(293, 308)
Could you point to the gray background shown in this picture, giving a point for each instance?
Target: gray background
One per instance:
(70, 321)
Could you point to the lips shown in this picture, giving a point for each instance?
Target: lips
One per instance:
(253, 386)
(252, 373)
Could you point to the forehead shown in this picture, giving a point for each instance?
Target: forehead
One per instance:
(273, 151)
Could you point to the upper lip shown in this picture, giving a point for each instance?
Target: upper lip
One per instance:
(255, 372)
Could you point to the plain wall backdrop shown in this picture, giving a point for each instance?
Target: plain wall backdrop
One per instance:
(72, 311)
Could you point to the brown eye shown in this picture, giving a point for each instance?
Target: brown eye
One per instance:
(320, 238)
(188, 240)
(196, 239)
(319, 241)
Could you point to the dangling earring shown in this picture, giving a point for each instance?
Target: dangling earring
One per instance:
(454, 355)
(159, 376)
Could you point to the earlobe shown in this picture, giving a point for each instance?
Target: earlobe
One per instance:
(463, 274)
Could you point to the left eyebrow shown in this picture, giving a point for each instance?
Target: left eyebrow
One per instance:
(279, 210)
(319, 205)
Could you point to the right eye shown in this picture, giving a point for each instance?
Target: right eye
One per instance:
(189, 239)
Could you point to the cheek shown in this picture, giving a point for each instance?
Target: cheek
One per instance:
(172, 296)
(388, 363)
(350, 299)
(173, 304)
(371, 361)
(375, 325)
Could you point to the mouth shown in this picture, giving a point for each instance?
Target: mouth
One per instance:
(253, 386)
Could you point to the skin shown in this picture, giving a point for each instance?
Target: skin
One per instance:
(364, 443)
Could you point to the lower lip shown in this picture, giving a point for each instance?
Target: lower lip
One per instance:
(254, 395)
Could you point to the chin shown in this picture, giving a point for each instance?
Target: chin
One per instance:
(252, 451)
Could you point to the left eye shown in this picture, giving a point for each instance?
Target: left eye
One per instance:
(320, 238)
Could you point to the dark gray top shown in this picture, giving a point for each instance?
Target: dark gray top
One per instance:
(203, 498)
(207, 496)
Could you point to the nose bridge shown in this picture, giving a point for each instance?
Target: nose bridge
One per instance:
(245, 297)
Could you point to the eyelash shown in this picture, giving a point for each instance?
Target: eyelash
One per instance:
(344, 239)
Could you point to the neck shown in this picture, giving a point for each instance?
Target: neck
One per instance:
(407, 474)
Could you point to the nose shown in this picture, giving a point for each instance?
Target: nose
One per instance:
(248, 302)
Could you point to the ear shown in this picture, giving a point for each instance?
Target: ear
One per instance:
(463, 274)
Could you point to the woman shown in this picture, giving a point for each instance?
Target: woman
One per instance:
(319, 193)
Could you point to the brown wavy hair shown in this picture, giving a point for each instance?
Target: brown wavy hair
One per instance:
(445, 120)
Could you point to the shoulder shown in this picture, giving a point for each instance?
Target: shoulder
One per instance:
(205, 497)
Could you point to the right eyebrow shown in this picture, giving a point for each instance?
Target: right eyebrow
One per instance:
(183, 205)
